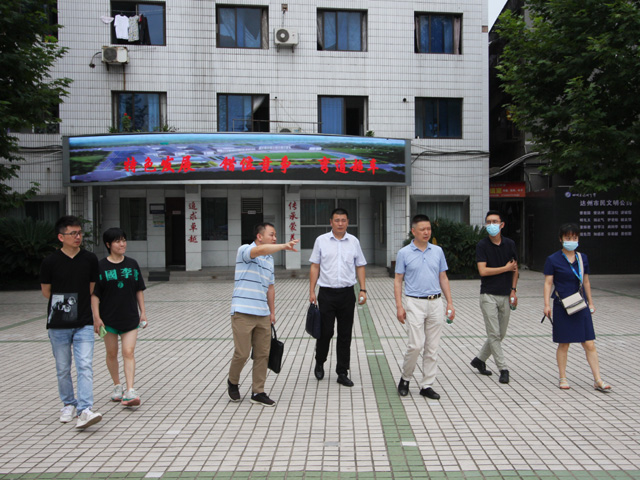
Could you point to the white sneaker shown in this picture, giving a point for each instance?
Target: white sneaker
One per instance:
(88, 418)
(131, 398)
(68, 413)
(116, 395)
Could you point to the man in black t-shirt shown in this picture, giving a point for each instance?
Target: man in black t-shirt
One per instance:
(67, 278)
(498, 266)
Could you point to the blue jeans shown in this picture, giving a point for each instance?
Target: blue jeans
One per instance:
(81, 340)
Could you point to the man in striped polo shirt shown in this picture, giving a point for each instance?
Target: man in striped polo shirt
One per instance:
(253, 310)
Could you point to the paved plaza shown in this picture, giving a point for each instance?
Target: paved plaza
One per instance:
(187, 428)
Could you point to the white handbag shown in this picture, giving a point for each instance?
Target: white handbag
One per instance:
(574, 303)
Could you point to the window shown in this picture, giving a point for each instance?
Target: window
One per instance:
(51, 11)
(342, 115)
(242, 27)
(315, 213)
(438, 117)
(146, 23)
(456, 211)
(139, 112)
(49, 125)
(38, 210)
(214, 219)
(243, 113)
(133, 218)
(438, 33)
(342, 30)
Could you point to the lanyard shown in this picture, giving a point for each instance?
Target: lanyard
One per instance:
(578, 273)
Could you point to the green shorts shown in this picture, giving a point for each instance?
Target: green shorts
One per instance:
(118, 332)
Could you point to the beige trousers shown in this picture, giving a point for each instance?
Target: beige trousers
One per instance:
(250, 331)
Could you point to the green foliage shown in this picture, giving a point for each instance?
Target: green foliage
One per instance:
(27, 91)
(573, 78)
(166, 128)
(458, 241)
(23, 245)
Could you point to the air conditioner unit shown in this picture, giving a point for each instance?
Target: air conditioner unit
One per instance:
(285, 37)
(115, 54)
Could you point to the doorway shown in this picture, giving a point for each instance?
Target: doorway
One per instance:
(175, 241)
(250, 216)
(514, 219)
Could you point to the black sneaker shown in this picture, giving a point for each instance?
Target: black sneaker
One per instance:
(481, 366)
(343, 379)
(403, 387)
(234, 391)
(504, 376)
(262, 399)
(430, 393)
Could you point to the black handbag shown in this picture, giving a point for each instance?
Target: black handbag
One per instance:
(276, 352)
(314, 321)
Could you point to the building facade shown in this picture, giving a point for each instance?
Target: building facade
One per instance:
(411, 70)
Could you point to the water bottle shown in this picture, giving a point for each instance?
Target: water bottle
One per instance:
(449, 319)
(512, 303)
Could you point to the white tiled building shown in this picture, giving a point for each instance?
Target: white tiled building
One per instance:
(380, 66)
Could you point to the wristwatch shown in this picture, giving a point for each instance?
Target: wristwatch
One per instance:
(514, 289)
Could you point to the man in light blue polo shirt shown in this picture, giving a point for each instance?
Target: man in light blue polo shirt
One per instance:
(253, 310)
(423, 268)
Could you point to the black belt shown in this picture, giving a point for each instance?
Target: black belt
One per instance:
(428, 297)
(337, 289)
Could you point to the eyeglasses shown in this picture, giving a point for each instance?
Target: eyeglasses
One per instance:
(76, 234)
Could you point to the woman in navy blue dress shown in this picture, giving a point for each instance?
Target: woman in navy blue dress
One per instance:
(562, 271)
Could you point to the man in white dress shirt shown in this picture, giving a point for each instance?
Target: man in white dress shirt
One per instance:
(336, 261)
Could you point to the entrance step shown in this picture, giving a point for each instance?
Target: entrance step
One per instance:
(227, 274)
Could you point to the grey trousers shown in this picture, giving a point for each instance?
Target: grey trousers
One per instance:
(496, 311)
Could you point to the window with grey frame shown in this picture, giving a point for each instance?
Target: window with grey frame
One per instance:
(315, 214)
(215, 223)
(139, 111)
(133, 217)
(342, 30)
(242, 26)
(243, 113)
(146, 23)
(438, 117)
(438, 33)
(453, 211)
(342, 115)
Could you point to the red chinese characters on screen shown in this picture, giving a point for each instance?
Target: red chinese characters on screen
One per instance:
(248, 163)
(130, 164)
(185, 166)
(266, 165)
(229, 164)
(166, 165)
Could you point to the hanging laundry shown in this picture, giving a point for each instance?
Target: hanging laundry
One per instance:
(121, 24)
(106, 19)
(134, 28)
(145, 37)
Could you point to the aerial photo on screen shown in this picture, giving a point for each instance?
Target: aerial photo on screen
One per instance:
(214, 157)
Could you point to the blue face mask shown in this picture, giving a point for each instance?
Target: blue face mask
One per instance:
(571, 246)
(493, 229)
